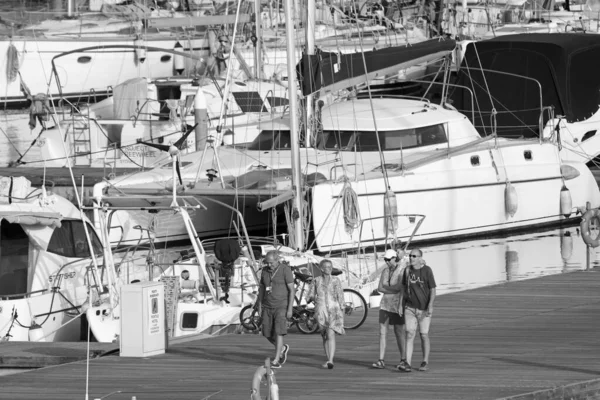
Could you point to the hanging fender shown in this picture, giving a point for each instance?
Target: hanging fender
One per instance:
(566, 204)
(511, 201)
(258, 376)
(585, 227)
(390, 210)
(178, 61)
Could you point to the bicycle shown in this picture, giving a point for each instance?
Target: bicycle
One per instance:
(355, 309)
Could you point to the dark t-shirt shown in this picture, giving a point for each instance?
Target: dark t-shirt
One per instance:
(418, 283)
(277, 281)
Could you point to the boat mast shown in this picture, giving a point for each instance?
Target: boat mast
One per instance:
(295, 137)
(258, 67)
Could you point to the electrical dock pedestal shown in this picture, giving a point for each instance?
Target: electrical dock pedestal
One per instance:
(143, 319)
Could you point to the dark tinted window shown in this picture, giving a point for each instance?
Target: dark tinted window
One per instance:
(14, 248)
(271, 140)
(70, 241)
(388, 140)
(278, 101)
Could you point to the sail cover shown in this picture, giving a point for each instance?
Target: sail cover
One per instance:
(565, 65)
(335, 71)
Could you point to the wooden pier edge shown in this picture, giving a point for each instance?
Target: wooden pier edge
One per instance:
(575, 391)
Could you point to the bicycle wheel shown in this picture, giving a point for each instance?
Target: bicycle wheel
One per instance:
(249, 318)
(306, 322)
(355, 309)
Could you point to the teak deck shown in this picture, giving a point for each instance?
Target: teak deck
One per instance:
(487, 343)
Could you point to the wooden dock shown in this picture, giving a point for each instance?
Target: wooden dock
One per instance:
(489, 343)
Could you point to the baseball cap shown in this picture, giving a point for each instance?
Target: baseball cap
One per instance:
(390, 254)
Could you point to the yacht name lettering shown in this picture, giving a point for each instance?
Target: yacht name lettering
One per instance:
(138, 150)
(65, 275)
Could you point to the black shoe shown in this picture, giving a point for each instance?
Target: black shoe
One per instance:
(284, 353)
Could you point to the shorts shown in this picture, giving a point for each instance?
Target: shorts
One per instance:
(416, 318)
(391, 318)
(274, 322)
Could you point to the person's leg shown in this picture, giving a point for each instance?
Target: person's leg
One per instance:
(267, 321)
(331, 343)
(410, 319)
(383, 328)
(325, 343)
(278, 347)
(424, 324)
(400, 340)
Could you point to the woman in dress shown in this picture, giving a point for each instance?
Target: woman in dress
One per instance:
(328, 295)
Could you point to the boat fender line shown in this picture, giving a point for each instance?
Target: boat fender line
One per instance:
(258, 376)
(511, 201)
(566, 204)
(585, 227)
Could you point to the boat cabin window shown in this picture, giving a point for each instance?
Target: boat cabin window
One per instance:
(14, 259)
(272, 140)
(389, 140)
(69, 240)
(278, 101)
(249, 102)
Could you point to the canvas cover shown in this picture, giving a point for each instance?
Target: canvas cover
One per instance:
(337, 71)
(565, 65)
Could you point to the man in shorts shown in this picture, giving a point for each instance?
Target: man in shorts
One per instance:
(275, 300)
(390, 284)
(419, 295)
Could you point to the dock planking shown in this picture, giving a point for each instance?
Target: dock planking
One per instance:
(487, 343)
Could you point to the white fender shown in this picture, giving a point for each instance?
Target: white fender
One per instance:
(201, 119)
(140, 50)
(390, 211)
(566, 204)
(178, 61)
(511, 201)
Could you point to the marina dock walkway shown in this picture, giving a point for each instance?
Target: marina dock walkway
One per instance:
(487, 343)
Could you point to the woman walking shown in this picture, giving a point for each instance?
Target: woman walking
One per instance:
(328, 295)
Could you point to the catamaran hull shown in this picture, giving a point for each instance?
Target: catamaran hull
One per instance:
(457, 199)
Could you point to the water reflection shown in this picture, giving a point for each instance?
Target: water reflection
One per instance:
(468, 265)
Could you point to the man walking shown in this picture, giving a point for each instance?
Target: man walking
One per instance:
(275, 300)
(390, 285)
(419, 295)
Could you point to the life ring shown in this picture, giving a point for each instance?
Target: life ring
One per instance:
(585, 227)
(258, 376)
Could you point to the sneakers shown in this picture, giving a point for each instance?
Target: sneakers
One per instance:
(284, 353)
(275, 364)
(402, 366)
(424, 366)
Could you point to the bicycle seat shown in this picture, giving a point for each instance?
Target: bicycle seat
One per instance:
(303, 277)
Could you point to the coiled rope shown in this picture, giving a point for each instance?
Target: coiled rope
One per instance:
(351, 207)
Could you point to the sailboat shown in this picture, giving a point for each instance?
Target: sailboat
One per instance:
(51, 266)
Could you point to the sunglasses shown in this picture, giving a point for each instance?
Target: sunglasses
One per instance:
(414, 256)
(387, 259)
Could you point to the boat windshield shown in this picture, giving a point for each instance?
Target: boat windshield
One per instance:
(272, 140)
(69, 240)
(389, 140)
(14, 259)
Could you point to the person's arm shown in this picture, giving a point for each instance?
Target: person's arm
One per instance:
(291, 288)
(432, 292)
(385, 289)
(431, 300)
(261, 295)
